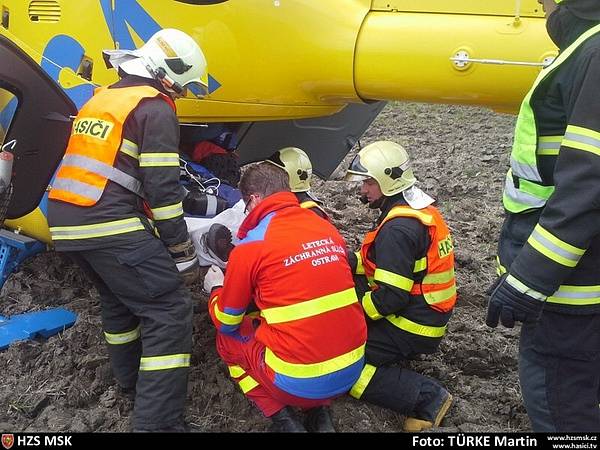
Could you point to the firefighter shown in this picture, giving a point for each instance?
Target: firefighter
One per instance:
(297, 165)
(549, 247)
(122, 159)
(293, 265)
(405, 280)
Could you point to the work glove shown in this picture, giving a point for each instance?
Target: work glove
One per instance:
(184, 255)
(509, 305)
(213, 278)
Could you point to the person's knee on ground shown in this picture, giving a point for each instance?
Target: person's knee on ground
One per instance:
(422, 400)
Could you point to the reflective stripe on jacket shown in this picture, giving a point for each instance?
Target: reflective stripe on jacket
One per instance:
(438, 286)
(96, 137)
(523, 189)
(293, 265)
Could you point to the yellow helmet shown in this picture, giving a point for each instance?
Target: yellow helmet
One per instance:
(297, 165)
(386, 162)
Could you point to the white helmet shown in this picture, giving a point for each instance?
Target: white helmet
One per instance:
(386, 162)
(297, 165)
(170, 56)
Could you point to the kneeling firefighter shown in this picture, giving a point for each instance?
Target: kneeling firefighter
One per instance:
(122, 159)
(404, 274)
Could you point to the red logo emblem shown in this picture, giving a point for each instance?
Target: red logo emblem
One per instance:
(8, 440)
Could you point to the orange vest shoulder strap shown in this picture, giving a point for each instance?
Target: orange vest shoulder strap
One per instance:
(426, 215)
(128, 97)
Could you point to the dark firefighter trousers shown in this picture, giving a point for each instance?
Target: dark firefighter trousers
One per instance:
(392, 386)
(559, 356)
(559, 371)
(147, 322)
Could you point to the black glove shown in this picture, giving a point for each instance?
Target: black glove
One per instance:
(510, 306)
(185, 258)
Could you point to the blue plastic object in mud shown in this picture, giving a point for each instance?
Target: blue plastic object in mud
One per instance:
(29, 325)
(14, 249)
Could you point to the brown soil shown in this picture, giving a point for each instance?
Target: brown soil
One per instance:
(460, 154)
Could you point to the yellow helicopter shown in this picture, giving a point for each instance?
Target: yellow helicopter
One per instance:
(307, 73)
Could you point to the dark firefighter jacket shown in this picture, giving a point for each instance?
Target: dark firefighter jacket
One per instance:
(148, 153)
(404, 252)
(553, 247)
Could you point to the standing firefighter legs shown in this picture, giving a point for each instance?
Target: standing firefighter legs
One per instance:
(147, 317)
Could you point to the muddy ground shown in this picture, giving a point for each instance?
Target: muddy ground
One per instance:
(461, 155)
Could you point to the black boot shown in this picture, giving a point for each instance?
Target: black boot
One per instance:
(218, 241)
(318, 420)
(430, 412)
(286, 421)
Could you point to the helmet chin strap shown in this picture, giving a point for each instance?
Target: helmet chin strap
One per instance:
(168, 83)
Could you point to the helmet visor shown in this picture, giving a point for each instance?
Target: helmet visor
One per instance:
(275, 159)
(356, 171)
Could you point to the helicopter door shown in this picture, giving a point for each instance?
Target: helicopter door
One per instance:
(34, 125)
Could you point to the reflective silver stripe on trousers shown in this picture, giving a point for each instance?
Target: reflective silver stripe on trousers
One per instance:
(522, 197)
(164, 362)
(105, 170)
(77, 187)
(524, 170)
(123, 338)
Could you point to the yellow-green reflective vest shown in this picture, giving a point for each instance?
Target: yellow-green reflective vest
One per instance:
(523, 189)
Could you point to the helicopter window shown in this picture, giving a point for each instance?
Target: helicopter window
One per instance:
(8, 108)
(201, 2)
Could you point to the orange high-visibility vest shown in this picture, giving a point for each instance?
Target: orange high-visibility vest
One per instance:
(96, 137)
(439, 284)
